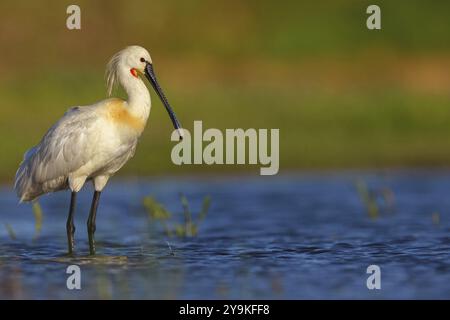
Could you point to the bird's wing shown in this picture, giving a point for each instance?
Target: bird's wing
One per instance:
(67, 145)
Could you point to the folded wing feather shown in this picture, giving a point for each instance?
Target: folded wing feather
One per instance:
(67, 146)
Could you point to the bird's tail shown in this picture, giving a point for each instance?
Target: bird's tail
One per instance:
(23, 184)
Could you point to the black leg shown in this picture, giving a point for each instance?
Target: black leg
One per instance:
(70, 227)
(91, 222)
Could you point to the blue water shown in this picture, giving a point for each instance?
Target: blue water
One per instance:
(285, 237)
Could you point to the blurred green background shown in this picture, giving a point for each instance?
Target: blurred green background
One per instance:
(343, 96)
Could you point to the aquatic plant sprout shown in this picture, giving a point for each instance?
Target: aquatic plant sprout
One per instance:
(189, 228)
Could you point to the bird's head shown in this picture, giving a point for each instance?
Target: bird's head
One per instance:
(134, 61)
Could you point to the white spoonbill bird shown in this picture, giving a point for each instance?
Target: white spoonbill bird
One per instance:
(93, 142)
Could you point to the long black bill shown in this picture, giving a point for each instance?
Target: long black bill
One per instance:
(152, 78)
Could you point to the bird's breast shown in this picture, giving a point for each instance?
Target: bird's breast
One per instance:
(118, 114)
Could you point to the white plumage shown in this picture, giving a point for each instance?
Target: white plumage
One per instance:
(84, 144)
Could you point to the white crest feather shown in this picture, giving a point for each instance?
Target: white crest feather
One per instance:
(111, 74)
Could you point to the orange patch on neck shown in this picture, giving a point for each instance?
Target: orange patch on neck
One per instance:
(118, 113)
(134, 72)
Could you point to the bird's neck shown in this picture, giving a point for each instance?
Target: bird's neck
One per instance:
(138, 101)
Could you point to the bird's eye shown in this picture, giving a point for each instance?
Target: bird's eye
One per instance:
(142, 60)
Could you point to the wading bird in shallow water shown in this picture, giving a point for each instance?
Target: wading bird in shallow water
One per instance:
(93, 142)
